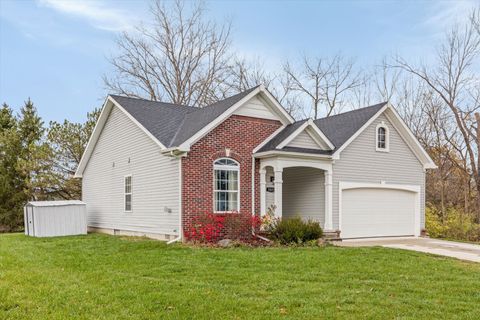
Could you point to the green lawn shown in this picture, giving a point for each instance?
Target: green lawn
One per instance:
(105, 277)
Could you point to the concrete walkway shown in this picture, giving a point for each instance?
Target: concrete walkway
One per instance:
(459, 250)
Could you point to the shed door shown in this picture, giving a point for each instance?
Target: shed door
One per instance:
(30, 226)
(376, 212)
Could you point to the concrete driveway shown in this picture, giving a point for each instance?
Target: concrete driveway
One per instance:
(462, 251)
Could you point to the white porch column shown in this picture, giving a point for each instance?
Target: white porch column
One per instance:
(278, 191)
(263, 192)
(328, 200)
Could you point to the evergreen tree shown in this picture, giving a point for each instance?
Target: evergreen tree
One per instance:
(35, 158)
(36, 164)
(69, 140)
(12, 196)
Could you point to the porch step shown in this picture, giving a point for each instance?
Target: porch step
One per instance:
(333, 235)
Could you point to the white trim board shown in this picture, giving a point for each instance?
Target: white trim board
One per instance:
(102, 120)
(344, 185)
(402, 129)
(313, 131)
(271, 101)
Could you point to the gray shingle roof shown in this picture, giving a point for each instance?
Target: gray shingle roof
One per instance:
(173, 124)
(338, 129)
(195, 121)
(162, 120)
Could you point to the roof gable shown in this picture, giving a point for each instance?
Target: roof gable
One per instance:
(308, 130)
(304, 140)
(201, 117)
(337, 129)
(219, 112)
(257, 108)
(341, 127)
(162, 120)
(174, 126)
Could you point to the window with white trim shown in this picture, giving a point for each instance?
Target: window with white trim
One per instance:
(226, 185)
(128, 193)
(382, 138)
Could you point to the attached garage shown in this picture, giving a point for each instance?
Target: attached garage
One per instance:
(379, 210)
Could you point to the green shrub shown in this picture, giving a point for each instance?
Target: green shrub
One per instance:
(296, 231)
(456, 225)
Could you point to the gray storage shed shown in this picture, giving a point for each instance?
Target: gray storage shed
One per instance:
(55, 218)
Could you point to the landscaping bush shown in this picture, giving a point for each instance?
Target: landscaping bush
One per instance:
(456, 225)
(239, 226)
(212, 227)
(205, 228)
(295, 231)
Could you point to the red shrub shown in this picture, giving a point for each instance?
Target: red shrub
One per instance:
(207, 227)
(210, 227)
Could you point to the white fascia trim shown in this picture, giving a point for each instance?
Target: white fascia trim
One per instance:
(320, 134)
(270, 137)
(271, 153)
(107, 106)
(343, 185)
(138, 123)
(292, 135)
(336, 154)
(417, 148)
(402, 128)
(308, 124)
(102, 119)
(287, 119)
(276, 104)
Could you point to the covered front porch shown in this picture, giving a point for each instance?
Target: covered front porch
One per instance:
(297, 186)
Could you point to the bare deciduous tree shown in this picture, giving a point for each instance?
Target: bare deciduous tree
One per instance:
(181, 58)
(245, 74)
(325, 81)
(453, 81)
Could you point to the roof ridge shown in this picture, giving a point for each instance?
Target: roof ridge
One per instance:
(351, 111)
(245, 92)
(153, 101)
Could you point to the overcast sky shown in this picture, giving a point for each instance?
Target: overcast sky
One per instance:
(55, 51)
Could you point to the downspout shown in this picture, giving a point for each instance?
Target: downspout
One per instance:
(180, 211)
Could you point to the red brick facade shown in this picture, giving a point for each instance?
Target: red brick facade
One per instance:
(241, 135)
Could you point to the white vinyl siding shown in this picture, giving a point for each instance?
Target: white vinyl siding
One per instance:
(303, 140)
(360, 162)
(304, 193)
(124, 149)
(256, 108)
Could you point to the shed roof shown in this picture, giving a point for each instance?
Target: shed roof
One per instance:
(55, 203)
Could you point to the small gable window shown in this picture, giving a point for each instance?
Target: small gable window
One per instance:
(226, 185)
(382, 138)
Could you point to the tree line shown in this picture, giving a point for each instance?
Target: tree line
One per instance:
(37, 162)
(181, 56)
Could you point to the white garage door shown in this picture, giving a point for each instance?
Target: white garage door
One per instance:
(376, 212)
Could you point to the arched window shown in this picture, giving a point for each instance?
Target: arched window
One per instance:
(382, 137)
(226, 185)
